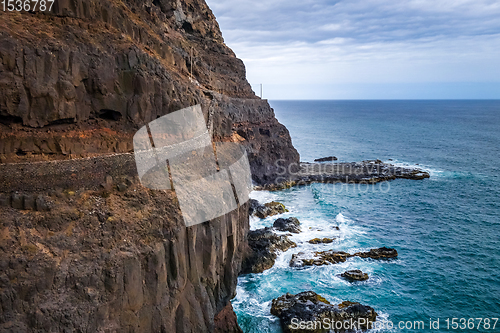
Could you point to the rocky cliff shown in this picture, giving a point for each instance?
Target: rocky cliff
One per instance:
(86, 248)
(117, 261)
(80, 80)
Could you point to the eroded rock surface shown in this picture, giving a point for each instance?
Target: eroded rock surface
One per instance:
(302, 259)
(77, 83)
(380, 253)
(119, 259)
(308, 306)
(365, 172)
(326, 159)
(80, 80)
(290, 224)
(321, 258)
(324, 240)
(268, 209)
(264, 245)
(355, 275)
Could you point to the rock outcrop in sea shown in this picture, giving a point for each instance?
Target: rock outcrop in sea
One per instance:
(365, 172)
(314, 313)
(264, 246)
(83, 246)
(268, 209)
(290, 224)
(320, 258)
(354, 275)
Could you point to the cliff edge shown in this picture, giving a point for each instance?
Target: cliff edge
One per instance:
(80, 80)
(83, 246)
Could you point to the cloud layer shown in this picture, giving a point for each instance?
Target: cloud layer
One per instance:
(372, 41)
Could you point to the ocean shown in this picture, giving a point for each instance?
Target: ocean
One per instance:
(446, 229)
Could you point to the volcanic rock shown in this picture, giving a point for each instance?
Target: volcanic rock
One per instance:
(269, 209)
(302, 259)
(326, 159)
(380, 253)
(321, 240)
(355, 275)
(290, 224)
(264, 245)
(308, 306)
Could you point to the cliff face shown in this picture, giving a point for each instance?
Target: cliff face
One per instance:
(119, 262)
(85, 248)
(80, 80)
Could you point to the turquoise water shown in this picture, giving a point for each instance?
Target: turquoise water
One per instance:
(446, 228)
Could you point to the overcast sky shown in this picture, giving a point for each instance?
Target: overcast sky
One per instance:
(366, 49)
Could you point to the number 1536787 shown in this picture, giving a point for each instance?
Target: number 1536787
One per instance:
(26, 5)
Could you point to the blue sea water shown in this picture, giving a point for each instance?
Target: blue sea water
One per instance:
(446, 228)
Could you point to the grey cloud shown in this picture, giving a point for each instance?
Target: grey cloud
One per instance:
(321, 41)
(367, 20)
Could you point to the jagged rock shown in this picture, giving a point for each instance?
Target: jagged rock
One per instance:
(121, 187)
(75, 84)
(226, 321)
(355, 275)
(380, 253)
(290, 224)
(128, 273)
(269, 209)
(127, 65)
(302, 259)
(326, 159)
(252, 206)
(308, 306)
(321, 240)
(264, 245)
(368, 172)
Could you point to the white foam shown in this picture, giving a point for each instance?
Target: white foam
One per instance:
(433, 172)
(263, 196)
(340, 218)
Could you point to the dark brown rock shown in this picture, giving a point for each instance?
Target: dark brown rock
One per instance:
(321, 240)
(75, 85)
(354, 275)
(269, 209)
(308, 306)
(326, 159)
(226, 321)
(302, 259)
(139, 268)
(380, 253)
(17, 201)
(264, 245)
(365, 172)
(29, 202)
(290, 224)
(4, 200)
(80, 90)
